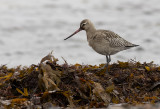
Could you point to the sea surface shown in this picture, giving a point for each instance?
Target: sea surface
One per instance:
(30, 29)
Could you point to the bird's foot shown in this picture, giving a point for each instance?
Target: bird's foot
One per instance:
(103, 69)
(106, 71)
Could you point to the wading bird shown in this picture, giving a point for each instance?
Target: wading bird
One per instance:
(104, 42)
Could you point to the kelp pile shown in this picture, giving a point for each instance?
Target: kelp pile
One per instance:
(49, 84)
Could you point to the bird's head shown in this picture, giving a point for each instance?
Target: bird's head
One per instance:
(84, 25)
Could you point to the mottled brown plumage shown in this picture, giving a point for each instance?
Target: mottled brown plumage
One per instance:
(104, 42)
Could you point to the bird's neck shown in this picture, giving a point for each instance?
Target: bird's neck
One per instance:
(90, 32)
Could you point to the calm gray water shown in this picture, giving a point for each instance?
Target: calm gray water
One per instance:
(30, 29)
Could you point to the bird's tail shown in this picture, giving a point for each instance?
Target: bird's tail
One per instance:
(134, 45)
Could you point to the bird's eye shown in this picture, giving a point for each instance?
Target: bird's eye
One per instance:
(83, 24)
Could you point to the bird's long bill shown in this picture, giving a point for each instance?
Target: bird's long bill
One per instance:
(73, 33)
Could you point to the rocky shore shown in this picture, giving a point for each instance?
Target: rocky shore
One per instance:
(50, 85)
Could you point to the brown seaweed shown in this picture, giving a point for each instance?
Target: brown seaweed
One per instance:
(51, 84)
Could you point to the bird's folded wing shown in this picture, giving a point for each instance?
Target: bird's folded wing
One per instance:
(115, 40)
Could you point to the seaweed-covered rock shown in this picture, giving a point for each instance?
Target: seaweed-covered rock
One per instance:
(85, 86)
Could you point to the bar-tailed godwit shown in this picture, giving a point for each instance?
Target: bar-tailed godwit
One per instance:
(104, 42)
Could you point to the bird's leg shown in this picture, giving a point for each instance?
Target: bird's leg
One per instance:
(108, 59)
